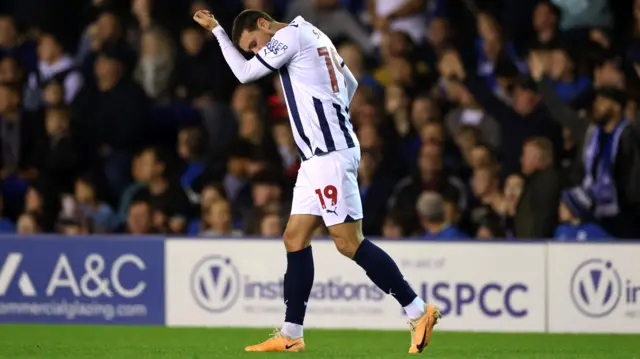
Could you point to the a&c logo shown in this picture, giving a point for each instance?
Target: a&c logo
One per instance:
(8, 272)
(596, 288)
(215, 284)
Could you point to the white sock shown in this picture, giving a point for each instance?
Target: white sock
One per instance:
(293, 331)
(415, 309)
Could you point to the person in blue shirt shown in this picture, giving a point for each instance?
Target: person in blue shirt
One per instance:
(431, 210)
(6, 225)
(567, 82)
(575, 214)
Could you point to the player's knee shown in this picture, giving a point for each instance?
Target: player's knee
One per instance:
(293, 240)
(347, 245)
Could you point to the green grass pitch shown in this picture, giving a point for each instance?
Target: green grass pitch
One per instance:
(113, 342)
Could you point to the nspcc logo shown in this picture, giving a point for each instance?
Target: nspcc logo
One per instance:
(596, 288)
(215, 284)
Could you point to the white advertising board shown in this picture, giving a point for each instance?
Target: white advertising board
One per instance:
(594, 287)
(478, 286)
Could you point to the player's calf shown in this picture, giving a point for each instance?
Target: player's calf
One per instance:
(378, 265)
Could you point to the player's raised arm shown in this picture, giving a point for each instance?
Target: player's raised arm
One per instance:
(272, 42)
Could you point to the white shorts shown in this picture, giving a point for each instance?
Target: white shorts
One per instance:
(327, 186)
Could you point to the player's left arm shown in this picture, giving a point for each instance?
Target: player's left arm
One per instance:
(282, 47)
(352, 82)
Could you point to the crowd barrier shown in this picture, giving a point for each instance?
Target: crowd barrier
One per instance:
(479, 286)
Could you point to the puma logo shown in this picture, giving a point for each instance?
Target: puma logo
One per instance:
(334, 211)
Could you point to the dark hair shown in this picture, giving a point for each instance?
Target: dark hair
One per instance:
(197, 140)
(266, 177)
(159, 154)
(217, 186)
(554, 9)
(139, 202)
(97, 185)
(247, 21)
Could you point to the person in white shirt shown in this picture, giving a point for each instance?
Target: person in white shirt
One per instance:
(318, 89)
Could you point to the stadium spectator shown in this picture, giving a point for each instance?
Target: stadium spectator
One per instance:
(608, 150)
(73, 227)
(392, 228)
(271, 225)
(526, 117)
(193, 75)
(490, 227)
(54, 65)
(104, 33)
(375, 188)
(283, 138)
(169, 203)
(140, 218)
(53, 95)
(11, 71)
(401, 134)
(155, 64)
(210, 193)
(20, 131)
(430, 176)
(536, 211)
(220, 220)
(11, 46)
(486, 189)
(266, 195)
(493, 51)
(91, 205)
(107, 28)
(469, 113)
(29, 223)
(111, 118)
(563, 74)
(424, 110)
(431, 209)
(236, 180)
(513, 188)
(43, 198)
(192, 150)
(58, 157)
(575, 214)
(131, 191)
(545, 23)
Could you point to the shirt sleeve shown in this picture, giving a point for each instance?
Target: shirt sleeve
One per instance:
(282, 47)
(352, 83)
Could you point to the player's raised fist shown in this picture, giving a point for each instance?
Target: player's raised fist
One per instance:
(205, 19)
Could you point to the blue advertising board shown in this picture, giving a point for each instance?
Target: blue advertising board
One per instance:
(82, 280)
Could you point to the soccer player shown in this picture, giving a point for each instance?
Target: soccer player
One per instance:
(318, 88)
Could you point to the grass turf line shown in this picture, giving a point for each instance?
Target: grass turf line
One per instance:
(115, 342)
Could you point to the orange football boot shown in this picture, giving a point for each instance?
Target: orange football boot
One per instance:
(422, 327)
(278, 343)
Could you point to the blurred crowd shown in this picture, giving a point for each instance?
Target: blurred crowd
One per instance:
(477, 118)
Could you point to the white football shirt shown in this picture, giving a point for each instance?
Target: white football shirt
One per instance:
(318, 86)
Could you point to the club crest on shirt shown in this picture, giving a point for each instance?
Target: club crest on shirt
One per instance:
(275, 47)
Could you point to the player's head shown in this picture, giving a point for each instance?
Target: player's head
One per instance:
(252, 30)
